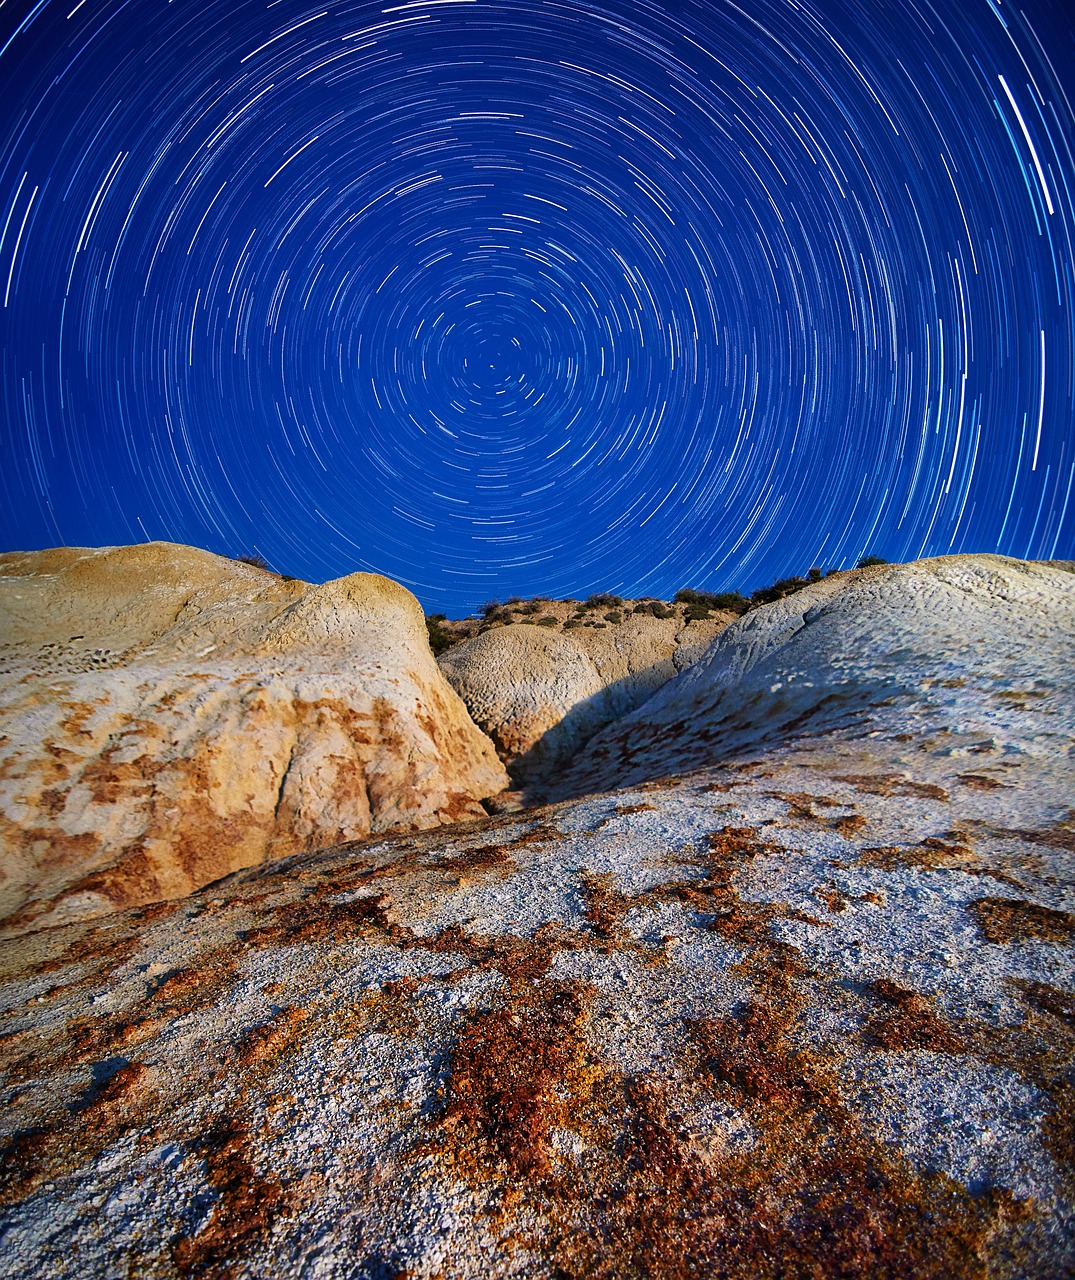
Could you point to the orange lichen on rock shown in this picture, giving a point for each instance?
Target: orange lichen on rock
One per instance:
(910, 1022)
(891, 784)
(248, 1203)
(508, 1073)
(1010, 920)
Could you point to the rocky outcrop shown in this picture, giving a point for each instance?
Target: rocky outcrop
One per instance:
(542, 693)
(168, 716)
(810, 1017)
(934, 649)
(803, 1014)
(534, 692)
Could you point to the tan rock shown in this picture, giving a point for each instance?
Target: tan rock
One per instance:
(965, 644)
(541, 694)
(533, 691)
(168, 716)
(635, 657)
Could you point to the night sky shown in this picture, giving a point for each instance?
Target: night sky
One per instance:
(540, 296)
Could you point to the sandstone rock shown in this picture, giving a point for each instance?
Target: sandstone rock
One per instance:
(957, 644)
(540, 694)
(810, 1017)
(169, 716)
(642, 653)
(505, 802)
(534, 692)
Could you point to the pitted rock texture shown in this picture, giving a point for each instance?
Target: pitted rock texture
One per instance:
(981, 644)
(811, 1016)
(542, 693)
(168, 716)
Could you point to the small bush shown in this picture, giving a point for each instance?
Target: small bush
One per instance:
(614, 617)
(257, 562)
(532, 607)
(687, 595)
(489, 607)
(602, 600)
(547, 621)
(866, 561)
(572, 622)
(697, 612)
(781, 587)
(439, 639)
(700, 603)
(815, 574)
(730, 602)
(655, 609)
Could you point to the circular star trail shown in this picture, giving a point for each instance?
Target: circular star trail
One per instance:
(542, 296)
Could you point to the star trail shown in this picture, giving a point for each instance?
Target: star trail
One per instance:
(539, 297)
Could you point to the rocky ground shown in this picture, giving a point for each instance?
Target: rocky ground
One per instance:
(808, 1016)
(780, 986)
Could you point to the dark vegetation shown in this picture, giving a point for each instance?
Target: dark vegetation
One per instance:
(602, 608)
(655, 608)
(259, 562)
(439, 639)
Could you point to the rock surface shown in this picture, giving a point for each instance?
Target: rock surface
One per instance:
(958, 644)
(812, 1016)
(168, 716)
(542, 692)
(809, 1012)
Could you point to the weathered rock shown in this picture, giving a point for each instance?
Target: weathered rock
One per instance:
(168, 716)
(952, 645)
(810, 1017)
(541, 694)
(642, 653)
(534, 692)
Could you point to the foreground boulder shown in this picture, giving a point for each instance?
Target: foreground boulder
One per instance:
(542, 693)
(168, 716)
(812, 1016)
(956, 644)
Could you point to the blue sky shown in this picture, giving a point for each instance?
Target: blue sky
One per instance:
(541, 297)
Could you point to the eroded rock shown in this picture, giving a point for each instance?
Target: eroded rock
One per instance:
(761, 1022)
(931, 649)
(542, 693)
(169, 716)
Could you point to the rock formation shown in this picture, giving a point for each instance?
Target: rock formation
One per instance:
(805, 1012)
(954, 645)
(808, 1017)
(542, 692)
(168, 716)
